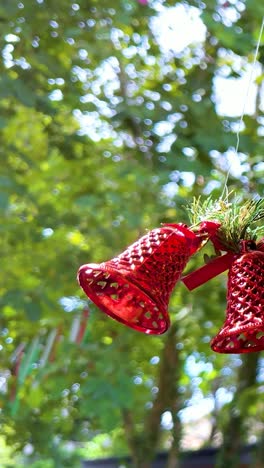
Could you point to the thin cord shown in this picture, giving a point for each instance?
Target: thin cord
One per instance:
(249, 85)
(241, 120)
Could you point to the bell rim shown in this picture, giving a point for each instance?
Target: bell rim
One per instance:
(218, 339)
(117, 275)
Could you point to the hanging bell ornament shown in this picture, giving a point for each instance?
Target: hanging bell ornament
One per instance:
(243, 330)
(134, 288)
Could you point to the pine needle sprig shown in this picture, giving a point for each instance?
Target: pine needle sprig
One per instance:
(239, 221)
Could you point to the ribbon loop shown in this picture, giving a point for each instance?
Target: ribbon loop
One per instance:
(217, 266)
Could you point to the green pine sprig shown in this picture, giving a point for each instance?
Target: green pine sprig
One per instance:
(239, 221)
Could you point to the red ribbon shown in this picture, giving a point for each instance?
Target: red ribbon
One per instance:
(210, 270)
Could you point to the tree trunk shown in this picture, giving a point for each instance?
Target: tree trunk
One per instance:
(144, 444)
(259, 455)
(234, 434)
(174, 453)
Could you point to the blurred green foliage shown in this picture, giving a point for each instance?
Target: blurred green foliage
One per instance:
(106, 131)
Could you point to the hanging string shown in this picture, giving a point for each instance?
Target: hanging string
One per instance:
(241, 120)
(249, 86)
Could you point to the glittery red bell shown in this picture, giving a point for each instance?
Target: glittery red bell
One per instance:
(134, 288)
(243, 330)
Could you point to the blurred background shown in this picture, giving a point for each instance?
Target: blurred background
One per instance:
(113, 116)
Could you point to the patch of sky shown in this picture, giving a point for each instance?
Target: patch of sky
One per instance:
(163, 128)
(109, 68)
(131, 89)
(35, 42)
(231, 161)
(71, 303)
(223, 396)
(28, 449)
(22, 63)
(91, 23)
(211, 186)
(259, 167)
(228, 90)
(7, 55)
(47, 232)
(130, 52)
(83, 54)
(189, 152)
(175, 176)
(229, 14)
(115, 36)
(154, 360)
(101, 106)
(56, 95)
(166, 105)
(194, 367)
(260, 131)
(260, 376)
(198, 407)
(128, 140)
(176, 27)
(137, 380)
(12, 38)
(131, 71)
(56, 81)
(82, 73)
(54, 24)
(3, 382)
(75, 6)
(153, 95)
(93, 126)
(175, 117)
(150, 60)
(187, 179)
(166, 421)
(166, 143)
(170, 189)
(226, 371)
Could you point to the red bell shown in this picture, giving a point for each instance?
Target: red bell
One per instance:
(243, 330)
(134, 288)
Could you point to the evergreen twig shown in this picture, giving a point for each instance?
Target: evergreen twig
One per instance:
(239, 221)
